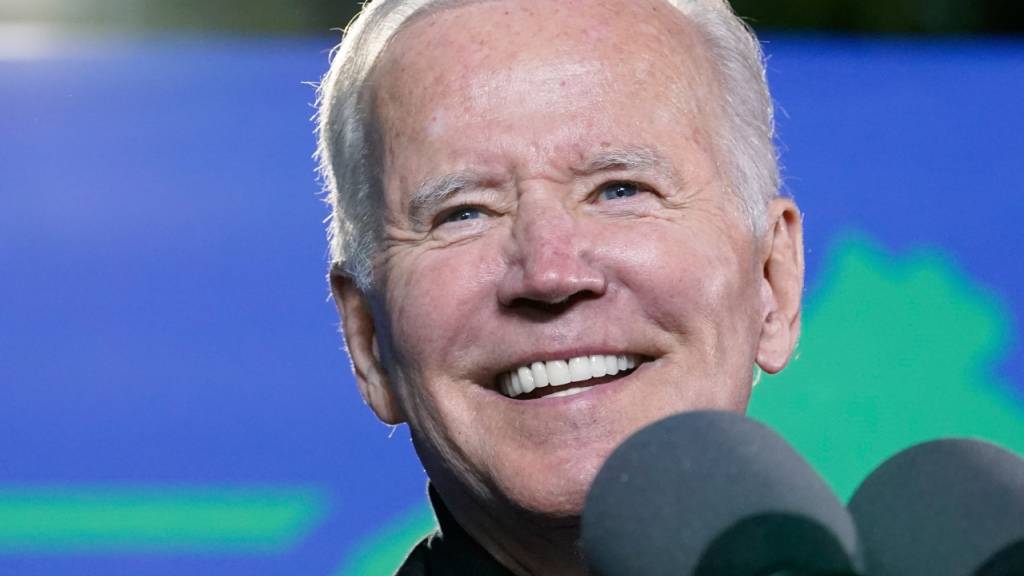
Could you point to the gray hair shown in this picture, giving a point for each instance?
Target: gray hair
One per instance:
(348, 151)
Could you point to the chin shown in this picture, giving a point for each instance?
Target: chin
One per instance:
(554, 492)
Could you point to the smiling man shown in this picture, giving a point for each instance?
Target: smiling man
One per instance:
(555, 222)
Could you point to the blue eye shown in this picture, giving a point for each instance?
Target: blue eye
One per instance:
(462, 214)
(617, 190)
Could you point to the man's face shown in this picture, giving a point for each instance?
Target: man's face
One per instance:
(552, 193)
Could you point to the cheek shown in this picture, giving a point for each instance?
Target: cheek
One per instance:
(426, 305)
(438, 299)
(687, 278)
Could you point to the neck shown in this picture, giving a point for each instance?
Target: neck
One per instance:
(526, 544)
(531, 550)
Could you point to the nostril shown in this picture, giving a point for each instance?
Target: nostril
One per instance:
(550, 293)
(552, 307)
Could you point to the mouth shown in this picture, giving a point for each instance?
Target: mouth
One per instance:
(567, 377)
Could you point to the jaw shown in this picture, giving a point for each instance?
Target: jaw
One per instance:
(515, 473)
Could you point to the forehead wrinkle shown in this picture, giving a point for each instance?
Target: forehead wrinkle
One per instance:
(555, 79)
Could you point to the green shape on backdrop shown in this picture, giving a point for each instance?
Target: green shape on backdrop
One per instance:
(382, 551)
(115, 519)
(895, 351)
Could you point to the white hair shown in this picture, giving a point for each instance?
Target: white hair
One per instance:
(348, 150)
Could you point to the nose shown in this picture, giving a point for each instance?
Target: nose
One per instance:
(551, 259)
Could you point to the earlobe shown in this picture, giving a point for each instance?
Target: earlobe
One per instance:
(360, 334)
(782, 286)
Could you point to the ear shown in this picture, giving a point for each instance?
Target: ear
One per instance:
(361, 341)
(782, 285)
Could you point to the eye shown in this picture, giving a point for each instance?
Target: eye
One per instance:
(461, 214)
(618, 190)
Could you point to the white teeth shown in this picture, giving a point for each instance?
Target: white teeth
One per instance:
(558, 372)
(526, 379)
(579, 368)
(540, 374)
(611, 365)
(569, 392)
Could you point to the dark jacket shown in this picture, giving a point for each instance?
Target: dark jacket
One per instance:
(449, 550)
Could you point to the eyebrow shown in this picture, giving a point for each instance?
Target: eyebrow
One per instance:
(631, 159)
(436, 191)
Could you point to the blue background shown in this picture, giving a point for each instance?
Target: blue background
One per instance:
(165, 318)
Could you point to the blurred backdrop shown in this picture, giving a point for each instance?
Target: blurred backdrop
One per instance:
(918, 17)
(175, 397)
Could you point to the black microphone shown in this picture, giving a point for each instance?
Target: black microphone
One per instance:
(952, 507)
(714, 494)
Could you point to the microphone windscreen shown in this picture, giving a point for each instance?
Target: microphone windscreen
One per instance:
(952, 507)
(713, 493)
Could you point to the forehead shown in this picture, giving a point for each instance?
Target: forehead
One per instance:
(485, 29)
(489, 41)
(572, 71)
